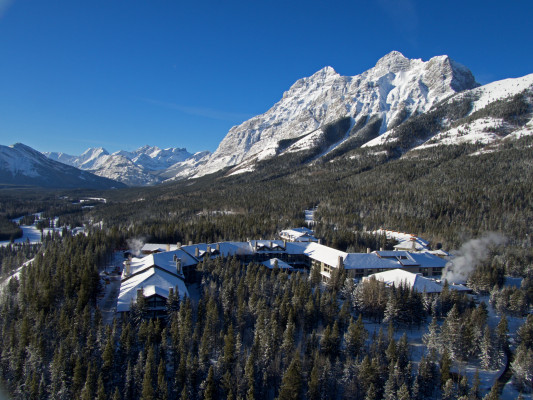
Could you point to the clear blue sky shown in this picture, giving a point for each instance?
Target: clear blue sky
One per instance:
(124, 73)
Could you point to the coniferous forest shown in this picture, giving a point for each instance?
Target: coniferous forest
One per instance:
(254, 333)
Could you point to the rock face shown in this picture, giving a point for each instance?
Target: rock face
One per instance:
(22, 165)
(391, 92)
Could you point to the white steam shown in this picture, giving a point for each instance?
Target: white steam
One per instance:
(135, 245)
(469, 256)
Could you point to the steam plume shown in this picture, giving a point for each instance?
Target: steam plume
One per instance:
(468, 257)
(135, 245)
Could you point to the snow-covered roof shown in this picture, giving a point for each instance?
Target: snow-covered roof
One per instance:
(399, 277)
(298, 234)
(324, 254)
(224, 249)
(408, 245)
(439, 252)
(369, 261)
(157, 247)
(164, 260)
(152, 281)
(272, 262)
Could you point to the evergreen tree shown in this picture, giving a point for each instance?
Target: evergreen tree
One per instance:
(291, 383)
(445, 366)
(210, 386)
(522, 367)
(431, 339)
(403, 393)
(147, 382)
(487, 349)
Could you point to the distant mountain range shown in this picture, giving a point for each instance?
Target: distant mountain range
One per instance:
(397, 106)
(148, 165)
(21, 165)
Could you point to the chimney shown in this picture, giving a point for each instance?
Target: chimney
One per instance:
(190, 242)
(270, 244)
(197, 252)
(340, 262)
(218, 247)
(413, 243)
(178, 265)
(170, 291)
(319, 241)
(208, 251)
(284, 243)
(168, 246)
(368, 250)
(381, 249)
(128, 267)
(178, 245)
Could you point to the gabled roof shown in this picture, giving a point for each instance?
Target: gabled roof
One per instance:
(299, 234)
(271, 264)
(164, 260)
(152, 281)
(408, 245)
(399, 277)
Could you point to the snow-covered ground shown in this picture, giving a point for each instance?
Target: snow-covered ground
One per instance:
(487, 377)
(310, 216)
(32, 235)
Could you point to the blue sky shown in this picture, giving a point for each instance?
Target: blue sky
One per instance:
(120, 74)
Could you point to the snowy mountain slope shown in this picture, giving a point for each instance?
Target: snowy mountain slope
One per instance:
(496, 112)
(22, 165)
(392, 91)
(145, 166)
(185, 169)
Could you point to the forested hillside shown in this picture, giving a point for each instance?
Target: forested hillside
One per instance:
(255, 333)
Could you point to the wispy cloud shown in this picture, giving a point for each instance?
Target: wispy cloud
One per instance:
(202, 111)
(4, 5)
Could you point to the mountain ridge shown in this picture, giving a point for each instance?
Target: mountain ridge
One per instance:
(23, 165)
(399, 104)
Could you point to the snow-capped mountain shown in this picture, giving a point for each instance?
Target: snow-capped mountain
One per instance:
(22, 165)
(400, 103)
(489, 115)
(145, 166)
(378, 99)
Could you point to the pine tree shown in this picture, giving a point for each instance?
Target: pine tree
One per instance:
(448, 390)
(371, 393)
(313, 391)
(355, 337)
(487, 349)
(475, 393)
(291, 383)
(147, 383)
(494, 393)
(522, 367)
(162, 388)
(210, 388)
(445, 366)
(101, 392)
(403, 393)
(502, 340)
(431, 339)
(116, 394)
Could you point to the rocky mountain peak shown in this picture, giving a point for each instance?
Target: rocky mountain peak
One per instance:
(393, 62)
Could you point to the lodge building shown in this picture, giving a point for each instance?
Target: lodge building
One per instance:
(159, 272)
